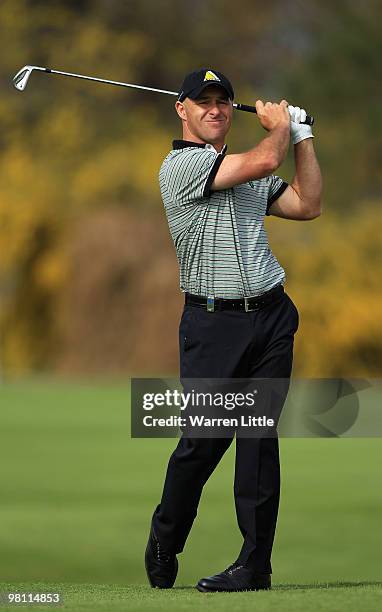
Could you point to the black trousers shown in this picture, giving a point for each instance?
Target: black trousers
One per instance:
(225, 344)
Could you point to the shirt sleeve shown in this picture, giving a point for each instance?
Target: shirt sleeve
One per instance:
(276, 187)
(191, 174)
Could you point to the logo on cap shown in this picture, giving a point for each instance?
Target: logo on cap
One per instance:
(211, 76)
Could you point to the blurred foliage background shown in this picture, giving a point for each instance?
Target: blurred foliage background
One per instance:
(88, 274)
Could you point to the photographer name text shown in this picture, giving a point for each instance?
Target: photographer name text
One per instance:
(202, 421)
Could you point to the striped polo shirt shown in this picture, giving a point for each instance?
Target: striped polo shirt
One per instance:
(219, 236)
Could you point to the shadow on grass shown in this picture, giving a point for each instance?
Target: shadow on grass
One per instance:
(303, 587)
(325, 585)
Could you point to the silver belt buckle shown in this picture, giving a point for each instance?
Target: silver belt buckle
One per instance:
(246, 305)
(210, 304)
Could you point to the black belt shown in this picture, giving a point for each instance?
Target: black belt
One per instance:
(246, 304)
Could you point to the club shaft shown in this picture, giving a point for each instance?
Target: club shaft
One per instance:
(243, 107)
(118, 83)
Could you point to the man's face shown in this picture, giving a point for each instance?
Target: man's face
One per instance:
(209, 117)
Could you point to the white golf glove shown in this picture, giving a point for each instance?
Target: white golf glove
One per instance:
(299, 131)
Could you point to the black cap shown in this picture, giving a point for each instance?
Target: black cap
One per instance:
(195, 82)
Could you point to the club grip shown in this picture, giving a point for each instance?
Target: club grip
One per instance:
(252, 109)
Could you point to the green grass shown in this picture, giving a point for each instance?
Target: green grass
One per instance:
(77, 494)
(351, 597)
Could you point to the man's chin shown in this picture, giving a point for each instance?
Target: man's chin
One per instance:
(215, 136)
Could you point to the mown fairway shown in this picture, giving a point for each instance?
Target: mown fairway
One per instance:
(77, 496)
(283, 598)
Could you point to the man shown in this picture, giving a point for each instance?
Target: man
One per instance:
(237, 320)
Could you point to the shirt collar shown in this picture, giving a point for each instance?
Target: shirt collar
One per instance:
(182, 144)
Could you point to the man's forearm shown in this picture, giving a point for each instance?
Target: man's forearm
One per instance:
(307, 181)
(274, 146)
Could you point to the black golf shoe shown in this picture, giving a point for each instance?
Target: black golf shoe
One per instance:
(161, 565)
(235, 578)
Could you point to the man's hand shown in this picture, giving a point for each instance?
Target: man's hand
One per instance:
(272, 115)
(299, 131)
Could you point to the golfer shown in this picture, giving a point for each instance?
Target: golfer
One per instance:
(237, 322)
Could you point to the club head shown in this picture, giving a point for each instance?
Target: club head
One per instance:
(20, 79)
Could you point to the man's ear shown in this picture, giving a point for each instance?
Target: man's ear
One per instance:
(180, 109)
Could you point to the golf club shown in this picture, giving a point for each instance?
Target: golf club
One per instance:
(20, 81)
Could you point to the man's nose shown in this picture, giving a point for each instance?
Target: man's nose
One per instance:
(214, 109)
